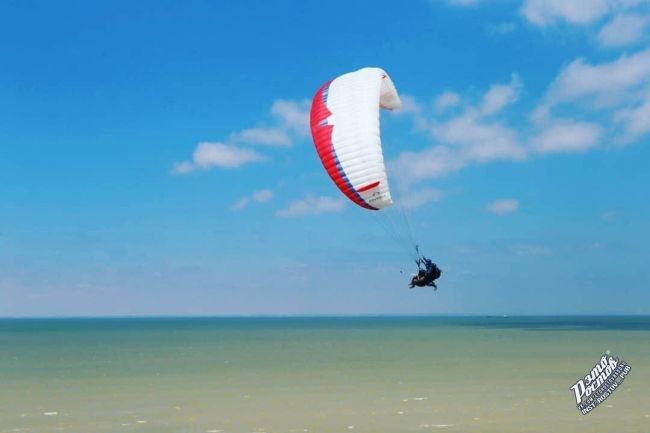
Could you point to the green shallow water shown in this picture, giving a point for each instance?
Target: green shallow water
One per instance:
(393, 375)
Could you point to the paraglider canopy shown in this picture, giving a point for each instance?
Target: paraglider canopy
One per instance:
(345, 127)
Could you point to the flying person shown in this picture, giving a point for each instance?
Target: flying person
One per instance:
(345, 127)
(428, 272)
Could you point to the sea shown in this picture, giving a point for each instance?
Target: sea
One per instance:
(319, 374)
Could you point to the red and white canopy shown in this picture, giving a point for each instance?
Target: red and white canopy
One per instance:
(346, 133)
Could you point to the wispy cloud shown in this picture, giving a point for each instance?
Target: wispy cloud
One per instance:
(475, 140)
(290, 121)
(501, 95)
(263, 136)
(608, 215)
(635, 120)
(601, 85)
(580, 12)
(566, 136)
(503, 206)
(293, 115)
(417, 198)
(468, 137)
(610, 99)
(208, 155)
(436, 161)
(614, 23)
(623, 29)
(617, 93)
(261, 196)
(311, 205)
(464, 3)
(409, 106)
(446, 100)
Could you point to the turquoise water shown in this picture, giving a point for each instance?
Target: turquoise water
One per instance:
(384, 374)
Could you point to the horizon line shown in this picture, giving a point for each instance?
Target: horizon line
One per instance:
(317, 316)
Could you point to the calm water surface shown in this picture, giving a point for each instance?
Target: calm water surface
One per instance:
(397, 374)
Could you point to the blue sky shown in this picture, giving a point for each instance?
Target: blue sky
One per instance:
(155, 157)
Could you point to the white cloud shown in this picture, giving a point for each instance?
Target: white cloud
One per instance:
(436, 161)
(265, 136)
(463, 2)
(623, 29)
(311, 205)
(608, 215)
(501, 95)
(446, 100)
(479, 141)
(471, 135)
(409, 106)
(468, 142)
(261, 196)
(183, 167)
(475, 139)
(293, 115)
(611, 97)
(607, 83)
(240, 204)
(622, 85)
(635, 120)
(503, 206)
(209, 154)
(626, 27)
(580, 12)
(292, 118)
(464, 139)
(567, 136)
(416, 198)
